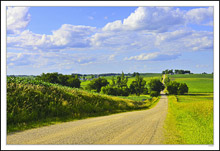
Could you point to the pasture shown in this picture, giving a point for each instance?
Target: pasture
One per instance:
(190, 116)
(197, 83)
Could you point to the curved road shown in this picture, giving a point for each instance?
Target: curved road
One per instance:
(137, 127)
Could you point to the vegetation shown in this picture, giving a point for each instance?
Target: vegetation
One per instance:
(190, 119)
(197, 83)
(65, 80)
(174, 87)
(33, 103)
(176, 71)
(97, 84)
(138, 86)
(155, 86)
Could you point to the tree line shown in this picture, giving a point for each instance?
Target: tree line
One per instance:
(167, 71)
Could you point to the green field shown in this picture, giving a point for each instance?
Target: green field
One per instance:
(197, 83)
(190, 116)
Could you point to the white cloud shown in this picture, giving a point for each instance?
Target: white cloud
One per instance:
(154, 19)
(155, 56)
(200, 15)
(111, 57)
(66, 36)
(17, 19)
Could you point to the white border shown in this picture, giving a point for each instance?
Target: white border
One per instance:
(109, 3)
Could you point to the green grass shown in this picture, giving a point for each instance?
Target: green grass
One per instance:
(197, 83)
(190, 119)
(137, 98)
(35, 103)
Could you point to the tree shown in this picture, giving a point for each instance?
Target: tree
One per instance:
(97, 84)
(172, 87)
(166, 81)
(177, 88)
(183, 88)
(156, 85)
(138, 86)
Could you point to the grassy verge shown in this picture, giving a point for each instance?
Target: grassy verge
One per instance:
(33, 105)
(190, 119)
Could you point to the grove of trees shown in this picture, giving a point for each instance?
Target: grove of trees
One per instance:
(176, 71)
(66, 80)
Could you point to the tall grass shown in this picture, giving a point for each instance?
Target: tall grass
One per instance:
(30, 102)
(190, 119)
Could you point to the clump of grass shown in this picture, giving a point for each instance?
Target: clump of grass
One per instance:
(190, 119)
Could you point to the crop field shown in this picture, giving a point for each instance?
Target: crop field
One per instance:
(197, 83)
(190, 116)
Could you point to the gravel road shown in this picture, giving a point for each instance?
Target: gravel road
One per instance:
(137, 127)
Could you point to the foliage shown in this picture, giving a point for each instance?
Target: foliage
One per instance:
(154, 93)
(166, 80)
(138, 86)
(177, 88)
(65, 80)
(183, 88)
(116, 91)
(156, 85)
(97, 84)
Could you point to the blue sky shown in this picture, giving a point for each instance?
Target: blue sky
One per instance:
(109, 39)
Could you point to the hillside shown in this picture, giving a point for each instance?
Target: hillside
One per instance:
(32, 103)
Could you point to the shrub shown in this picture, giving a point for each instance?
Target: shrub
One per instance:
(116, 91)
(97, 84)
(156, 85)
(183, 88)
(154, 93)
(177, 88)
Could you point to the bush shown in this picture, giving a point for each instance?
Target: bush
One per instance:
(177, 88)
(156, 85)
(154, 93)
(116, 91)
(183, 88)
(97, 84)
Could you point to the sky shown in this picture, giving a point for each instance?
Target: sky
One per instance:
(94, 40)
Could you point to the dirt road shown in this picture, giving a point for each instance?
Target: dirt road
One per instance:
(137, 127)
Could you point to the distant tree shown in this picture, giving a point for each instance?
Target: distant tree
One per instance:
(183, 88)
(154, 94)
(97, 84)
(156, 85)
(166, 81)
(172, 87)
(138, 86)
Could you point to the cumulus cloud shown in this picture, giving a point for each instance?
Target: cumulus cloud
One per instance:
(156, 19)
(200, 15)
(185, 40)
(155, 56)
(66, 36)
(17, 19)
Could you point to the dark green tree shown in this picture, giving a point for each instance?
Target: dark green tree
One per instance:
(97, 84)
(138, 86)
(156, 85)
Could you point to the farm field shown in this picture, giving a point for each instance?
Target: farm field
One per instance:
(197, 83)
(190, 116)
